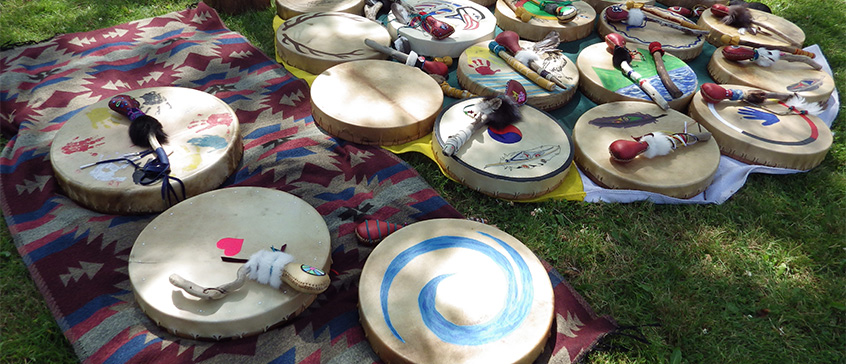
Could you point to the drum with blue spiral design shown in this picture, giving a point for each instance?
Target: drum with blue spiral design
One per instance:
(455, 291)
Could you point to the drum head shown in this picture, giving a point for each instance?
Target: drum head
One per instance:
(763, 136)
(601, 82)
(287, 9)
(542, 22)
(376, 102)
(455, 291)
(472, 23)
(709, 21)
(204, 149)
(782, 76)
(484, 73)
(681, 44)
(525, 160)
(314, 42)
(683, 173)
(190, 238)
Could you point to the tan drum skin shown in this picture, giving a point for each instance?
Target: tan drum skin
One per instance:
(600, 5)
(683, 173)
(471, 265)
(683, 45)
(190, 238)
(486, 74)
(287, 9)
(491, 163)
(757, 136)
(204, 149)
(708, 21)
(314, 42)
(782, 76)
(376, 102)
(539, 26)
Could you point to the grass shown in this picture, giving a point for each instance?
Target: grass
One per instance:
(758, 279)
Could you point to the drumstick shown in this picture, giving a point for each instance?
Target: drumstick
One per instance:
(636, 16)
(450, 91)
(739, 16)
(511, 41)
(520, 12)
(499, 50)
(144, 130)
(432, 67)
(652, 11)
(653, 145)
(563, 11)
(621, 59)
(495, 111)
(765, 57)
(713, 94)
(735, 40)
(658, 55)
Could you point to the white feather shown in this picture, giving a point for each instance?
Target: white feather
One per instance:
(636, 17)
(800, 104)
(659, 144)
(766, 57)
(526, 56)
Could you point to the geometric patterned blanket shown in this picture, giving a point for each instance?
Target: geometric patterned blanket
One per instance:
(78, 258)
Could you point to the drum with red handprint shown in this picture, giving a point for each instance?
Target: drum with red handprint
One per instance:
(92, 151)
(486, 74)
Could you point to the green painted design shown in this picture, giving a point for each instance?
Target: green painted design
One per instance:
(611, 78)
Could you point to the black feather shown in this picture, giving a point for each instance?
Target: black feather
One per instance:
(142, 127)
(506, 114)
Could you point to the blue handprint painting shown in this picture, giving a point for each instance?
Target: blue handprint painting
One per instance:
(754, 114)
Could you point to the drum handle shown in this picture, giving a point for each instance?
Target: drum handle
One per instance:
(658, 57)
(653, 145)
(431, 67)
(511, 41)
(520, 12)
(499, 50)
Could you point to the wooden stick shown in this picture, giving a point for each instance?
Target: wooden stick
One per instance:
(499, 50)
(735, 40)
(683, 22)
(658, 55)
(511, 41)
(621, 59)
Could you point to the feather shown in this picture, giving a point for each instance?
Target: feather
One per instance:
(799, 104)
(547, 44)
(636, 18)
(738, 16)
(525, 56)
(507, 113)
(659, 144)
(766, 57)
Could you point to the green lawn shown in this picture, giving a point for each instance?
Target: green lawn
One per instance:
(758, 279)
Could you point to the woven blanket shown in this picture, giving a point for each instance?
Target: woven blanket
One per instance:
(78, 258)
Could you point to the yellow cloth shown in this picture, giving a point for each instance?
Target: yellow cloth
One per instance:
(570, 189)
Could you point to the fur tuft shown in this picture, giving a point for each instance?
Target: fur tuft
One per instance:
(142, 127)
(526, 56)
(659, 144)
(506, 114)
(266, 266)
(739, 16)
(636, 18)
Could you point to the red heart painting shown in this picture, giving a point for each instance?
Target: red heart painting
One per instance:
(230, 246)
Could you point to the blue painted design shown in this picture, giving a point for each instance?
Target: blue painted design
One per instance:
(510, 134)
(754, 114)
(208, 141)
(684, 78)
(515, 310)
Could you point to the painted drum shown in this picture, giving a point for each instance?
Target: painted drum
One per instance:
(690, 4)
(314, 42)
(771, 136)
(376, 102)
(235, 223)
(781, 76)
(484, 73)
(287, 9)
(455, 291)
(522, 161)
(603, 83)
(204, 149)
(472, 23)
(683, 173)
(765, 38)
(684, 45)
(542, 22)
